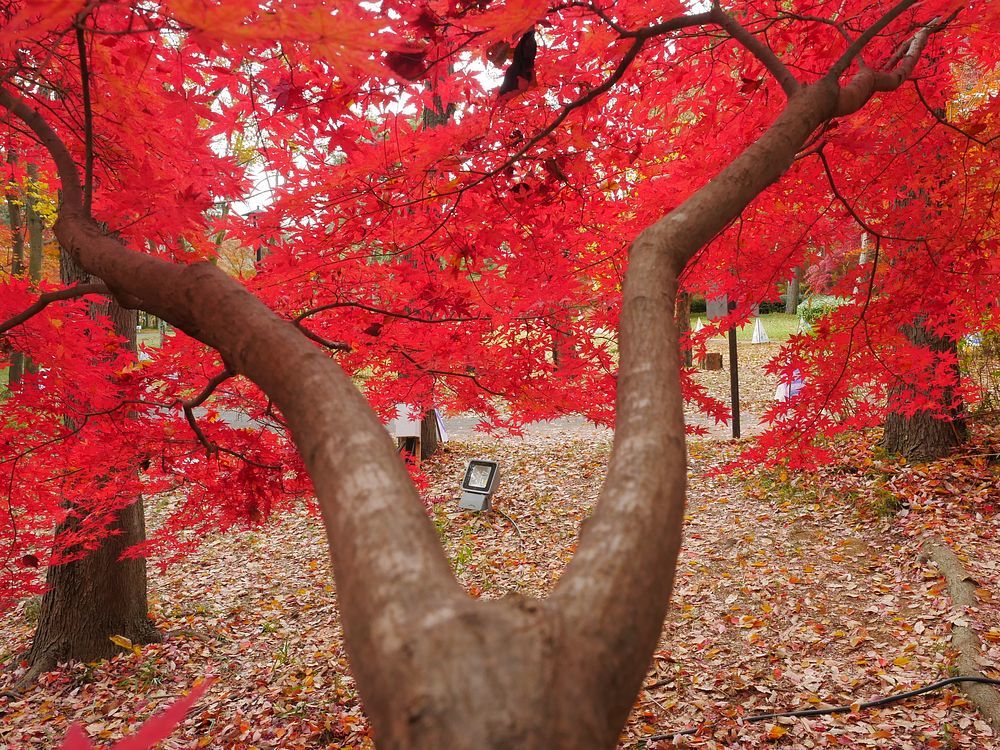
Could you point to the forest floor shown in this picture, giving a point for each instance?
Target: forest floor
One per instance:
(792, 592)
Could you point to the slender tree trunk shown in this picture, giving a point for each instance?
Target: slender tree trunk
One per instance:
(432, 117)
(682, 313)
(16, 370)
(792, 293)
(36, 240)
(924, 437)
(99, 596)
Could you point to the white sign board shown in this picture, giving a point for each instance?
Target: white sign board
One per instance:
(407, 422)
(717, 307)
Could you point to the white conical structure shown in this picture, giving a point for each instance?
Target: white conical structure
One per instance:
(759, 334)
(698, 325)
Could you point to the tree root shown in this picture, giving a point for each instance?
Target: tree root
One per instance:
(962, 588)
(27, 680)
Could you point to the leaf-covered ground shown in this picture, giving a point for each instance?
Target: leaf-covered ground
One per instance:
(792, 592)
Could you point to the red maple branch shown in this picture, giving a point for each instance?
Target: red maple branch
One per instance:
(757, 48)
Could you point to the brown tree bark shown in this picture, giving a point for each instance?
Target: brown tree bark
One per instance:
(99, 596)
(436, 668)
(923, 436)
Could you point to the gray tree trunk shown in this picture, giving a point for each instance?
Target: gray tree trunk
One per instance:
(16, 370)
(793, 291)
(682, 312)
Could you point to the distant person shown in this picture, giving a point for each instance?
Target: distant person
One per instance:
(790, 389)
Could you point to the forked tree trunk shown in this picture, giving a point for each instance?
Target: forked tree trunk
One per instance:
(99, 596)
(923, 436)
(436, 668)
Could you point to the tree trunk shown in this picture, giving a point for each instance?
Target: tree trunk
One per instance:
(16, 370)
(682, 313)
(428, 435)
(34, 222)
(432, 117)
(924, 437)
(792, 292)
(99, 596)
(36, 242)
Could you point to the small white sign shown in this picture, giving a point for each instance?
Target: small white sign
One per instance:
(717, 307)
(405, 425)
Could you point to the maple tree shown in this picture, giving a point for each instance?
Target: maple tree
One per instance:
(482, 265)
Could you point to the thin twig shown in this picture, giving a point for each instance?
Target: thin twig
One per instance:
(934, 113)
(340, 346)
(190, 405)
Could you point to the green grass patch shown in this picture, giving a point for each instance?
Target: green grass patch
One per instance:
(779, 326)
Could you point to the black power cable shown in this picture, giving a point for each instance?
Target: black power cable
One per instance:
(836, 709)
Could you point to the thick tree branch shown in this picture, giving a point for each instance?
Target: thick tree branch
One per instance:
(855, 49)
(757, 48)
(395, 587)
(867, 82)
(48, 298)
(607, 597)
(72, 193)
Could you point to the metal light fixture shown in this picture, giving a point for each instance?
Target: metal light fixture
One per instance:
(479, 484)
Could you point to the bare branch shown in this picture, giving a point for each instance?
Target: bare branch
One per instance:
(757, 48)
(339, 346)
(448, 373)
(819, 19)
(48, 298)
(211, 447)
(862, 41)
(934, 113)
(209, 389)
(72, 192)
(380, 311)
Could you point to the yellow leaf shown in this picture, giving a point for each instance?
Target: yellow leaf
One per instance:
(120, 640)
(901, 661)
(776, 732)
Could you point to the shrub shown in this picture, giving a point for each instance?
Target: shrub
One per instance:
(816, 306)
(979, 357)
